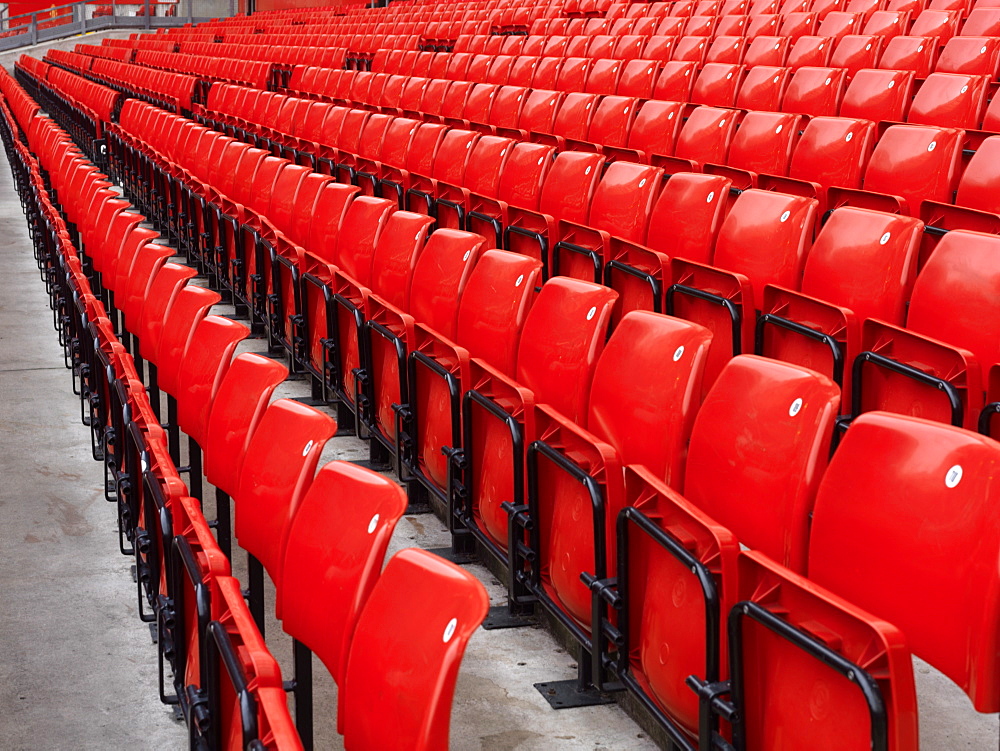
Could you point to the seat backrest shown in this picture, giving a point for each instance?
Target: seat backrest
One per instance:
(856, 51)
(282, 209)
(717, 84)
(687, 216)
(654, 130)
(917, 162)
(909, 53)
(612, 120)
(814, 91)
(767, 50)
(878, 95)
(764, 142)
(954, 296)
(984, 22)
(480, 102)
(335, 549)
(978, 56)
(763, 89)
(624, 199)
(865, 261)
(758, 449)
(539, 112)
(329, 211)
(648, 382)
(675, 81)
(575, 113)
(637, 78)
(359, 231)
(189, 307)
(569, 185)
(905, 527)
(765, 237)
(204, 366)
(562, 338)
(164, 287)
(439, 278)
(833, 151)
(277, 469)
(507, 106)
(727, 49)
(238, 405)
(706, 135)
(936, 23)
(494, 305)
(396, 252)
(951, 100)
(810, 51)
(453, 155)
(979, 187)
(524, 174)
(406, 652)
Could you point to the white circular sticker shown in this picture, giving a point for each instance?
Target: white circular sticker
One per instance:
(587, 171)
(449, 630)
(827, 82)
(466, 256)
(670, 115)
(964, 89)
(519, 280)
(729, 76)
(850, 137)
(308, 448)
(868, 47)
(642, 182)
(784, 217)
(721, 123)
(891, 84)
(711, 196)
(373, 524)
(932, 145)
(983, 50)
(776, 79)
(540, 161)
(954, 476)
(778, 129)
(920, 48)
(678, 353)
(796, 406)
(885, 238)
(591, 313)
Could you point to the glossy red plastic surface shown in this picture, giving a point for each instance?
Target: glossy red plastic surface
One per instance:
(405, 657)
(277, 469)
(336, 545)
(204, 366)
(793, 698)
(238, 406)
(924, 555)
(759, 446)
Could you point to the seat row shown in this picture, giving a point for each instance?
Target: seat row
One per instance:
(873, 47)
(764, 149)
(948, 99)
(631, 11)
(546, 433)
(253, 49)
(225, 679)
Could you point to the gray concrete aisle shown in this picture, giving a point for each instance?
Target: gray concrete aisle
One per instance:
(77, 668)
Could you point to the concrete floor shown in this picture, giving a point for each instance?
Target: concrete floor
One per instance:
(78, 669)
